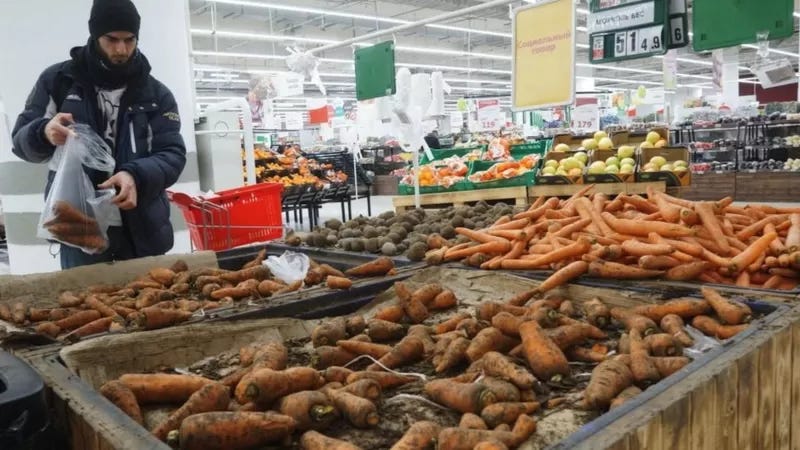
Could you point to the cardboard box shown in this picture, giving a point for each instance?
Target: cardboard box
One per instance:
(671, 154)
(574, 142)
(557, 179)
(603, 155)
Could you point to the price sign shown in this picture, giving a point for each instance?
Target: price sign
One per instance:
(628, 30)
(585, 117)
(678, 24)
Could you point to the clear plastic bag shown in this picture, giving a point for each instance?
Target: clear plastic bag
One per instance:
(289, 267)
(76, 213)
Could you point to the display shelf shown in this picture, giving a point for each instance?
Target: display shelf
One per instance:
(565, 190)
(517, 195)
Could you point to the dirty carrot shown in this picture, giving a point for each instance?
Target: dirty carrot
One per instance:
(608, 269)
(231, 430)
(154, 317)
(564, 275)
(497, 365)
(211, 397)
(340, 283)
(162, 387)
(78, 320)
(117, 393)
(597, 313)
(420, 435)
(487, 340)
(336, 374)
(608, 380)
(685, 308)
(663, 344)
(382, 330)
(263, 386)
(374, 350)
(455, 353)
(472, 421)
(686, 272)
(462, 397)
(584, 354)
(376, 268)
(311, 410)
(366, 388)
(673, 324)
(387, 380)
(712, 327)
(392, 313)
(624, 396)
(546, 360)
(732, 313)
(98, 326)
(507, 412)
(663, 262)
(632, 321)
(313, 440)
(643, 369)
(408, 351)
(451, 323)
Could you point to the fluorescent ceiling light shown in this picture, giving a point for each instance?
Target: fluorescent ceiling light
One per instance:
(346, 15)
(238, 55)
(474, 81)
(437, 51)
(453, 68)
(619, 80)
(477, 89)
(774, 50)
(260, 36)
(797, 14)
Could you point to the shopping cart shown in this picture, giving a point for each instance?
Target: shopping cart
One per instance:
(234, 218)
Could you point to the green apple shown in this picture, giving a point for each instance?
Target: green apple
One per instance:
(680, 163)
(582, 157)
(629, 161)
(625, 151)
(549, 170)
(589, 144)
(650, 167)
(653, 137)
(612, 169)
(561, 172)
(612, 161)
(667, 168)
(626, 168)
(551, 163)
(570, 163)
(646, 144)
(561, 148)
(597, 167)
(600, 135)
(605, 144)
(658, 161)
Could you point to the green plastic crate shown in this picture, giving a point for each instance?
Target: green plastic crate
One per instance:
(445, 153)
(404, 189)
(527, 179)
(531, 148)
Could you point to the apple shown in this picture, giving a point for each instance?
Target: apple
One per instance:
(629, 161)
(661, 144)
(597, 167)
(549, 170)
(605, 144)
(653, 137)
(582, 157)
(600, 135)
(680, 163)
(612, 161)
(646, 144)
(589, 144)
(658, 161)
(650, 167)
(612, 169)
(625, 151)
(667, 168)
(626, 168)
(551, 163)
(570, 163)
(581, 164)
(561, 172)
(561, 148)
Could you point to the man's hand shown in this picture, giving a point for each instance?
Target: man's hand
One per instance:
(126, 187)
(56, 130)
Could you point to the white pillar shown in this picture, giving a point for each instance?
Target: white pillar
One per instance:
(584, 81)
(28, 49)
(730, 76)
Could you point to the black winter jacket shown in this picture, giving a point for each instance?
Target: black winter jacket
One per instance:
(149, 144)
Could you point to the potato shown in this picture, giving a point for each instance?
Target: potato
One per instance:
(389, 249)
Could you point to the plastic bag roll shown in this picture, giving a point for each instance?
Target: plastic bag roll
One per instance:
(420, 95)
(438, 87)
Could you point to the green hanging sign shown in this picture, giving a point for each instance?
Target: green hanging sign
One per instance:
(623, 29)
(375, 71)
(726, 24)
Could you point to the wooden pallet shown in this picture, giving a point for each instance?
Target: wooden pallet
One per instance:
(518, 195)
(566, 190)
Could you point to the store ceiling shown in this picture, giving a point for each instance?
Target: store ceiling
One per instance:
(473, 51)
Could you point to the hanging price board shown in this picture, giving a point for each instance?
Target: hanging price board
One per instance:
(620, 30)
(678, 24)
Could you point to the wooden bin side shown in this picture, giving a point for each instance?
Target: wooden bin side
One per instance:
(748, 398)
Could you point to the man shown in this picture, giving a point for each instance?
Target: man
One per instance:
(107, 85)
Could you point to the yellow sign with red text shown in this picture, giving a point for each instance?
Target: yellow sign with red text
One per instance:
(544, 55)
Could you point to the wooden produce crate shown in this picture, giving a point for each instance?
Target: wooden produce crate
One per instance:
(517, 195)
(711, 186)
(75, 372)
(567, 190)
(767, 186)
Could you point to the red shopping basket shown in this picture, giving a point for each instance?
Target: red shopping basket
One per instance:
(235, 217)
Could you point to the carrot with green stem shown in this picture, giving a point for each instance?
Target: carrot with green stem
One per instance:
(231, 430)
(123, 398)
(313, 440)
(462, 397)
(608, 380)
(733, 313)
(311, 410)
(209, 398)
(545, 359)
(421, 435)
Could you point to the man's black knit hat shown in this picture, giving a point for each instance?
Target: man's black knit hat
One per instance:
(113, 15)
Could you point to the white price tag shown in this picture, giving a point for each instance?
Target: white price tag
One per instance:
(644, 40)
(678, 33)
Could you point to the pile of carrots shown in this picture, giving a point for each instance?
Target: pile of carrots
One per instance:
(491, 365)
(169, 296)
(633, 238)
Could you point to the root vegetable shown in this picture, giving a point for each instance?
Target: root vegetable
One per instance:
(583, 354)
(162, 275)
(446, 299)
(497, 365)
(336, 374)
(78, 320)
(49, 329)
(312, 440)
(643, 369)
(154, 317)
(394, 313)
(507, 412)
(360, 412)
(421, 435)
(472, 422)
(663, 344)
(365, 388)
(98, 326)
(570, 335)
(19, 313)
(462, 397)
(597, 313)
(328, 356)
(564, 275)
(608, 269)
(209, 398)
(408, 351)
(685, 308)
(232, 430)
(264, 386)
(382, 330)
(711, 327)
(329, 332)
(629, 393)
(546, 360)
(376, 268)
(387, 380)
(568, 309)
(117, 393)
(455, 354)
(608, 380)
(451, 323)
(472, 327)
(162, 387)
(359, 348)
(340, 283)
(355, 325)
(674, 325)
(488, 340)
(730, 312)
(311, 410)
(633, 321)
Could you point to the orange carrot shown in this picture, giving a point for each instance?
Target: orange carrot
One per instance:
(264, 386)
(454, 354)
(608, 380)
(497, 365)
(711, 327)
(162, 387)
(507, 412)
(393, 313)
(94, 327)
(537, 211)
(685, 308)
(757, 227)
(382, 330)
(336, 374)
(663, 262)
(312, 440)
(731, 312)
(641, 204)
(451, 323)
(637, 248)
(597, 313)
(420, 435)
(122, 397)
(686, 272)
(706, 212)
(642, 228)
(570, 335)
(642, 367)
(584, 354)
(376, 351)
(546, 360)
(624, 396)
(748, 256)
(154, 317)
(669, 211)
(633, 321)
(512, 225)
(607, 269)
(311, 410)
(232, 430)
(329, 332)
(574, 250)
(209, 398)
(793, 235)
(387, 380)
(564, 275)
(488, 340)
(78, 320)
(408, 351)
(462, 397)
(490, 248)
(335, 282)
(472, 421)
(478, 236)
